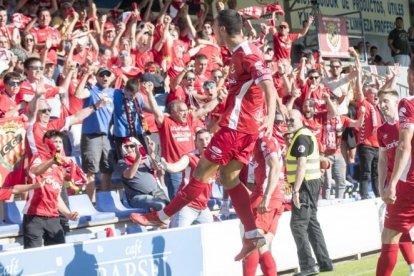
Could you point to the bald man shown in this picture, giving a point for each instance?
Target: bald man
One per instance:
(303, 173)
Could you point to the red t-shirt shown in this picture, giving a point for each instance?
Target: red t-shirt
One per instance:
(44, 201)
(209, 51)
(6, 104)
(200, 202)
(282, 46)
(27, 91)
(5, 194)
(388, 137)
(199, 80)
(178, 65)
(406, 116)
(149, 117)
(43, 33)
(176, 139)
(264, 149)
(367, 134)
(35, 132)
(244, 107)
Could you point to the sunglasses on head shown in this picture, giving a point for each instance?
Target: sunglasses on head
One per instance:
(130, 146)
(13, 83)
(36, 68)
(46, 110)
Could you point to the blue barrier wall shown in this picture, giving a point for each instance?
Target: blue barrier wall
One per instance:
(175, 252)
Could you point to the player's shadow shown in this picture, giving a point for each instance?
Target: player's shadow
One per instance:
(159, 257)
(83, 263)
(4, 271)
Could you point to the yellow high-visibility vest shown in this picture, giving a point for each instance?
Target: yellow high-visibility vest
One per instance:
(313, 170)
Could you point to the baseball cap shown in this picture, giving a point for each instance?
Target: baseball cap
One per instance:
(284, 23)
(102, 70)
(155, 79)
(109, 26)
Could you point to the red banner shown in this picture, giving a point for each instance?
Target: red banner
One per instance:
(12, 150)
(333, 37)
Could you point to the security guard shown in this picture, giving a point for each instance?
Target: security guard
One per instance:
(303, 172)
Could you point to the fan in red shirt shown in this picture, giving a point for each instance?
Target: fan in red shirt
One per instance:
(176, 131)
(398, 220)
(8, 31)
(249, 84)
(41, 223)
(197, 210)
(367, 138)
(45, 32)
(283, 40)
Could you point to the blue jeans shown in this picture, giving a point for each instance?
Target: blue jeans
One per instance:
(187, 216)
(403, 60)
(147, 202)
(173, 182)
(337, 172)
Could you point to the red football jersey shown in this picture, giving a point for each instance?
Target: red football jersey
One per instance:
(264, 149)
(244, 110)
(406, 115)
(388, 136)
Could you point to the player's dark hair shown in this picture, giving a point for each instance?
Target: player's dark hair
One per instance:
(53, 133)
(231, 20)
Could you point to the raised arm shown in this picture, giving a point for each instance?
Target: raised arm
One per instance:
(152, 104)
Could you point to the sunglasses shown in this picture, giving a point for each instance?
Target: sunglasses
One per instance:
(13, 83)
(314, 77)
(209, 85)
(130, 146)
(28, 39)
(190, 79)
(46, 110)
(289, 120)
(104, 74)
(36, 68)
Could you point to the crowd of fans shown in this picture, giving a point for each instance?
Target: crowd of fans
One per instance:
(135, 88)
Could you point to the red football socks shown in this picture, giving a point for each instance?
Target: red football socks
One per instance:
(241, 202)
(387, 259)
(250, 264)
(186, 195)
(268, 264)
(406, 248)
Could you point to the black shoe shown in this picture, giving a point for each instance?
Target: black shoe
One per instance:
(326, 268)
(308, 272)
